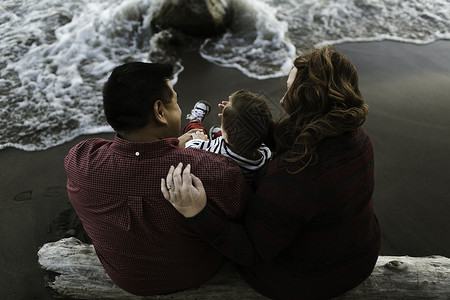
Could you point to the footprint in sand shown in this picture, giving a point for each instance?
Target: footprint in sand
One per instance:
(23, 196)
(52, 191)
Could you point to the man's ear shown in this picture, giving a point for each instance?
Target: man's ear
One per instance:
(159, 112)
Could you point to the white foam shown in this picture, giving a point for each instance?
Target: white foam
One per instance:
(51, 142)
(261, 42)
(57, 78)
(56, 55)
(256, 44)
(331, 22)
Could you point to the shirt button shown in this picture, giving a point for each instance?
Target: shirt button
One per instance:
(137, 153)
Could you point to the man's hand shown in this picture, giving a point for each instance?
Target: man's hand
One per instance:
(184, 191)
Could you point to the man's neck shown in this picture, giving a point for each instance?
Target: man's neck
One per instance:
(139, 136)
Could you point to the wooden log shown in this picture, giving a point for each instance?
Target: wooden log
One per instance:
(78, 274)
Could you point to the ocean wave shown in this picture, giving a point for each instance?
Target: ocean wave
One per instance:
(255, 44)
(55, 55)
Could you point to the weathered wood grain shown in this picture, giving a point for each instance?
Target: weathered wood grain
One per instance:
(80, 275)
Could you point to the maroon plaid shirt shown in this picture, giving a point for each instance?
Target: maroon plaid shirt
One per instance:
(144, 244)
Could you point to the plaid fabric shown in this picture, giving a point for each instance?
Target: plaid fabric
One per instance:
(144, 244)
(310, 235)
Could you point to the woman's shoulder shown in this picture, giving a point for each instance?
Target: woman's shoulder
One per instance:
(345, 143)
(338, 148)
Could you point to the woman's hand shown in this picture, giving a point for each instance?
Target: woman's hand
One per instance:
(184, 191)
(187, 137)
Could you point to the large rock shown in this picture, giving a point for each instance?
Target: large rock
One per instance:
(194, 17)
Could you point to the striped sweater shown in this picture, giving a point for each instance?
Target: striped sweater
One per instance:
(219, 146)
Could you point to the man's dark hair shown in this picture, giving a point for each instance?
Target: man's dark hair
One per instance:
(246, 122)
(131, 91)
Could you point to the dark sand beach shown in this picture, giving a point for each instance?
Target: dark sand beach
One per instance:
(408, 90)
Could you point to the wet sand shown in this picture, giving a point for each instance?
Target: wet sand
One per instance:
(408, 90)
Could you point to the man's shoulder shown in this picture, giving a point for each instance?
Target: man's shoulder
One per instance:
(91, 143)
(87, 147)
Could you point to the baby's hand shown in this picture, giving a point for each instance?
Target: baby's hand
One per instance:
(222, 106)
(200, 135)
(187, 137)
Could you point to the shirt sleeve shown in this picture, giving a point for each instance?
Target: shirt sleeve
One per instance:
(213, 146)
(269, 226)
(195, 143)
(266, 153)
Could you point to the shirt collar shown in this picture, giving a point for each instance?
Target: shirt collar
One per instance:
(145, 149)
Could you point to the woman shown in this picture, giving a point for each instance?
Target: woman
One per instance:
(310, 231)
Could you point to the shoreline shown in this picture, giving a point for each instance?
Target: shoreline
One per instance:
(406, 87)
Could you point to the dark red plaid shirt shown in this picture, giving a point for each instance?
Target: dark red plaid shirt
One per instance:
(144, 244)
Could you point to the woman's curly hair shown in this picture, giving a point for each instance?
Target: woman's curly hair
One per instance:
(323, 100)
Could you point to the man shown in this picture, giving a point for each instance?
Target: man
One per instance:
(145, 246)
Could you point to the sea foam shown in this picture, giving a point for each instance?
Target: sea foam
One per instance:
(56, 55)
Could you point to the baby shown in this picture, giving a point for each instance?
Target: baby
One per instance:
(246, 120)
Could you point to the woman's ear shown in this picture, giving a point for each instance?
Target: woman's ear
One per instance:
(159, 112)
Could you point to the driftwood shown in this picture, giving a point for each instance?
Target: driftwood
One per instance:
(77, 273)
